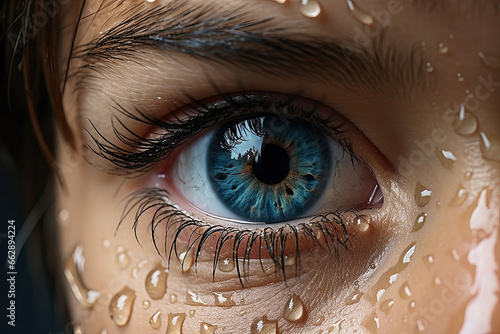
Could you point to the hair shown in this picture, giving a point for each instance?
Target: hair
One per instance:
(30, 110)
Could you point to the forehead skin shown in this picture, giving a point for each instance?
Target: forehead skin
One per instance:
(456, 290)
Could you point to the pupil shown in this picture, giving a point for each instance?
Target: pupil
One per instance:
(272, 165)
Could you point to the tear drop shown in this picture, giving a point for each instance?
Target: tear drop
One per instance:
(120, 306)
(490, 147)
(466, 124)
(294, 309)
(226, 265)
(419, 222)
(422, 195)
(489, 61)
(262, 325)
(155, 320)
(359, 14)
(175, 322)
(156, 282)
(310, 8)
(206, 328)
(185, 256)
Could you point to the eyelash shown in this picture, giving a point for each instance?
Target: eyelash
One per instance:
(145, 152)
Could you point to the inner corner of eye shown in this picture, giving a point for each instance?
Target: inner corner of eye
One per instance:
(269, 169)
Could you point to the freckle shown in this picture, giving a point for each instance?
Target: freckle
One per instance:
(175, 322)
(262, 325)
(422, 194)
(155, 320)
(206, 328)
(294, 309)
(120, 306)
(156, 282)
(419, 222)
(223, 299)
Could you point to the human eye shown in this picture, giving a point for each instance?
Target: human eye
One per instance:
(247, 177)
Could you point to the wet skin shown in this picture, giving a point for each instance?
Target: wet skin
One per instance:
(428, 261)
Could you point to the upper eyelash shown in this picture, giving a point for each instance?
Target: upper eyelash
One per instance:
(139, 154)
(331, 226)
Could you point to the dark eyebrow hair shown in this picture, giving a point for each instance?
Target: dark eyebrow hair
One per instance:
(235, 39)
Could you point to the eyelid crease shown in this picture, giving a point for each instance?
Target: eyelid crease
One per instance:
(139, 154)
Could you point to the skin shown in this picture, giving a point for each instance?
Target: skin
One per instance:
(457, 292)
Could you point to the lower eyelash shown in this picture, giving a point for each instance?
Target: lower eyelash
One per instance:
(327, 231)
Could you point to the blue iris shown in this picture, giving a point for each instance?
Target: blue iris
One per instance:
(267, 169)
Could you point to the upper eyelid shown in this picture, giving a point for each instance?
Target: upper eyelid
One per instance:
(137, 154)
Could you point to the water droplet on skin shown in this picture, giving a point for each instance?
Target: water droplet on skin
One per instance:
(422, 195)
(490, 146)
(356, 284)
(446, 158)
(362, 223)
(289, 260)
(429, 67)
(437, 280)
(193, 299)
(386, 305)
(489, 61)
(106, 244)
(192, 313)
(64, 215)
(173, 298)
(443, 49)
(262, 325)
(156, 282)
(319, 321)
(155, 320)
(419, 222)
(428, 261)
(466, 124)
(223, 299)
(206, 328)
(226, 265)
(122, 258)
(411, 306)
(359, 14)
(310, 8)
(77, 329)
(459, 197)
(73, 271)
(380, 293)
(420, 325)
(120, 306)
(468, 176)
(404, 290)
(146, 304)
(460, 78)
(455, 255)
(294, 309)
(354, 297)
(185, 256)
(408, 255)
(175, 322)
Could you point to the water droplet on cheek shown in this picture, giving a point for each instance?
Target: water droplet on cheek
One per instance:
(264, 326)
(193, 299)
(428, 261)
(175, 322)
(422, 195)
(73, 272)
(362, 223)
(354, 298)
(146, 304)
(310, 8)
(446, 158)
(319, 321)
(185, 256)
(359, 14)
(459, 197)
(466, 124)
(490, 147)
(223, 299)
(386, 305)
(120, 306)
(404, 290)
(173, 298)
(489, 61)
(443, 49)
(156, 282)
(206, 328)
(122, 258)
(155, 320)
(294, 309)
(429, 67)
(419, 222)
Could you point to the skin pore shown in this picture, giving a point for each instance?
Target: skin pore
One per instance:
(417, 91)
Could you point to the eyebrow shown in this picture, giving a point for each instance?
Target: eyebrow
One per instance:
(236, 39)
